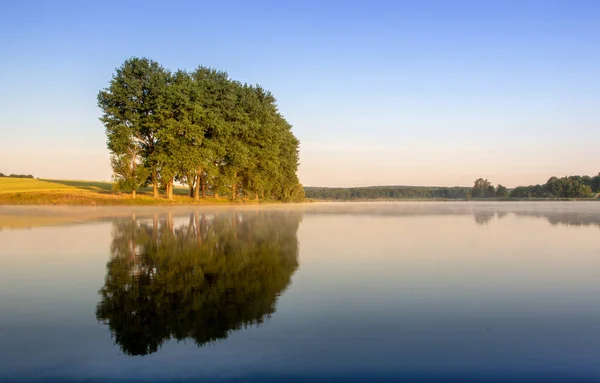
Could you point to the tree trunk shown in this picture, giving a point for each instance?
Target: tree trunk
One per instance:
(203, 184)
(133, 193)
(198, 180)
(197, 190)
(216, 195)
(234, 191)
(256, 196)
(155, 185)
(234, 188)
(170, 189)
(191, 178)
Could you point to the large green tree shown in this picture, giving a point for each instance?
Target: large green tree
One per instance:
(211, 98)
(128, 173)
(501, 191)
(135, 110)
(199, 128)
(480, 188)
(596, 183)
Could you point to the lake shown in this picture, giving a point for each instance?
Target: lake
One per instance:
(398, 291)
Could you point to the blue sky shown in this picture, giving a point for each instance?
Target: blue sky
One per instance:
(378, 92)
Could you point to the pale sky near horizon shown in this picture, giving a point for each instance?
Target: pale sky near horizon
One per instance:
(378, 92)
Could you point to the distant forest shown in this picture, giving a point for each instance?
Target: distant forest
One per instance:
(387, 192)
(200, 128)
(16, 175)
(565, 187)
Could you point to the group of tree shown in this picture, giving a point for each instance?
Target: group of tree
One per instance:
(564, 187)
(387, 192)
(16, 175)
(199, 280)
(484, 189)
(199, 128)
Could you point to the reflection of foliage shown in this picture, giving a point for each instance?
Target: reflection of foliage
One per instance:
(202, 280)
(554, 218)
(483, 217)
(567, 218)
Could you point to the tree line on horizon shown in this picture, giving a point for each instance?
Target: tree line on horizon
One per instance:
(564, 187)
(16, 175)
(387, 192)
(199, 128)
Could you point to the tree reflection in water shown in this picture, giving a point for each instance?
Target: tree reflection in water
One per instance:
(200, 280)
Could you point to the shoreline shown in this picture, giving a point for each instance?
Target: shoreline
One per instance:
(91, 199)
(88, 198)
(29, 216)
(48, 192)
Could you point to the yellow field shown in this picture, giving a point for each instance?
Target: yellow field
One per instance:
(21, 185)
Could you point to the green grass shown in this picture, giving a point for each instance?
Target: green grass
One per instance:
(87, 198)
(20, 185)
(107, 187)
(96, 186)
(28, 191)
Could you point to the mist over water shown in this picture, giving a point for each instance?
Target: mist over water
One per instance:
(311, 292)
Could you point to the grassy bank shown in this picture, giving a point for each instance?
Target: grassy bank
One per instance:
(28, 191)
(18, 191)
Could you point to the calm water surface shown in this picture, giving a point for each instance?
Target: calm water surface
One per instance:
(319, 292)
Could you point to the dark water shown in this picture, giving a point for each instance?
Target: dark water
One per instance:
(323, 292)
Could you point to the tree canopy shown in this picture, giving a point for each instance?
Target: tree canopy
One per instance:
(564, 187)
(199, 128)
(198, 280)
